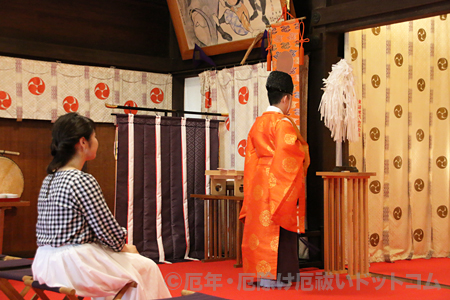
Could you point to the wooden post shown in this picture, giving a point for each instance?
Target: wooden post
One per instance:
(223, 230)
(331, 226)
(239, 228)
(366, 224)
(342, 226)
(326, 226)
(350, 218)
(4, 206)
(2, 222)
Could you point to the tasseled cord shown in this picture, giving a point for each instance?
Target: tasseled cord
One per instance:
(284, 15)
(301, 41)
(338, 107)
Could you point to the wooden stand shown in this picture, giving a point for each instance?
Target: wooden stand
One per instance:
(4, 206)
(353, 187)
(223, 230)
(219, 181)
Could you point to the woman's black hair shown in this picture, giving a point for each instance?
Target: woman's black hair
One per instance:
(66, 133)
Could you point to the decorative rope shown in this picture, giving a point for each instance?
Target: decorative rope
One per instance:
(301, 41)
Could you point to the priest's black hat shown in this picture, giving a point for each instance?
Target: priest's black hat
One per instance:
(280, 81)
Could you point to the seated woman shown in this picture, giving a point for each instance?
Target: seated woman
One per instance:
(81, 245)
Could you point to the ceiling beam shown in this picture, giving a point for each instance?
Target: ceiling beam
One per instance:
(360, 14)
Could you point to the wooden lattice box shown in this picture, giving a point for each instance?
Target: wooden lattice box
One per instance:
(219, 180)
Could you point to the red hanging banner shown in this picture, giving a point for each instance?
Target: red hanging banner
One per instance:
(286, 51)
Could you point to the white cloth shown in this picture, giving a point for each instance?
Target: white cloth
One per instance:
(278, 110)
(275, 109)
(98, 272)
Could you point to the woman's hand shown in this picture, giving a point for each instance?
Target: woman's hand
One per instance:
(129, 248)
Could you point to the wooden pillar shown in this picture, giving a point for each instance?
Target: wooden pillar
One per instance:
(323, 52)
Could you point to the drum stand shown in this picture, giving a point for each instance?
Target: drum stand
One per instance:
(11, 182)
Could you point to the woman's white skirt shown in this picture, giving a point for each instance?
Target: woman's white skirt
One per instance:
(98, 272)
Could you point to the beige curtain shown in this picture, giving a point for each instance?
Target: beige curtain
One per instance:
(402, 79)
(241, 93)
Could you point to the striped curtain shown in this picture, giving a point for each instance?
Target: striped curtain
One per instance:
(161, 162)
(403, 83)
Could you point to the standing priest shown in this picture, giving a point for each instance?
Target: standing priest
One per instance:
(273, 211)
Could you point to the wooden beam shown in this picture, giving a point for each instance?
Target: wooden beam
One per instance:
(77, 55)
(367, 13)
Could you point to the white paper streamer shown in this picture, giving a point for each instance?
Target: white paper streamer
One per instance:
(338, 107)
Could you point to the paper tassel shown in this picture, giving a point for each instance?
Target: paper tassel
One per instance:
(338, 107)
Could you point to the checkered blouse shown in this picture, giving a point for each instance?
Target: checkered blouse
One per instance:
(72, 210)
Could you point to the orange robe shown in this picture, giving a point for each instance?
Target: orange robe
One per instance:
(274, 190)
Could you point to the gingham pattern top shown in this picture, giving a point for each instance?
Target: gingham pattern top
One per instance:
(72, 210)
